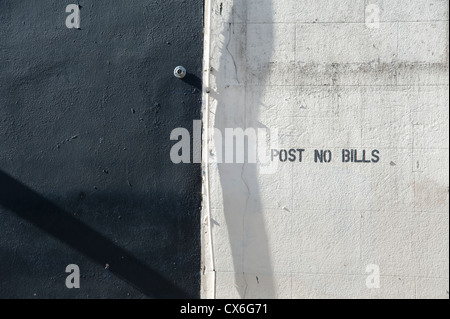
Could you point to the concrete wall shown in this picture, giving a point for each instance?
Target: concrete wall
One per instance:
(328, 77)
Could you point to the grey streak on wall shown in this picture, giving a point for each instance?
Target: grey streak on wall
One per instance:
(242, 206)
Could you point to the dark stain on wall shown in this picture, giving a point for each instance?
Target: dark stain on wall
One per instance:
(85, 170)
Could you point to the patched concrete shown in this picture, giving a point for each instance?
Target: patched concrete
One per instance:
(328, 79)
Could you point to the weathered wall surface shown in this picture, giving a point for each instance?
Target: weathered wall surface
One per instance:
(85, 172)
(328, 77)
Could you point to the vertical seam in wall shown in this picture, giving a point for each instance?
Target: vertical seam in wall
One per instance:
(205, 159)
(364, 11)
(398, 40)
(295, 55)
(291, 218)
(397, 72)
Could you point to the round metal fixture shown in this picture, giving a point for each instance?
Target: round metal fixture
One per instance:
(180, 72)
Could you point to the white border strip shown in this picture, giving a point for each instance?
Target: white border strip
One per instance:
(211, 287)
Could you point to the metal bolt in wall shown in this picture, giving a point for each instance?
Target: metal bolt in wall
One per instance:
(180, 72)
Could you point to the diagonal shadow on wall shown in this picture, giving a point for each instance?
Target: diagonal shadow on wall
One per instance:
(42, 213)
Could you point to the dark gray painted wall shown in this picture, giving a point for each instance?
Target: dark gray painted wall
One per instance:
(85, 172)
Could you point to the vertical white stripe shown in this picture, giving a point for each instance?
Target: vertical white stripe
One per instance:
(207, 206)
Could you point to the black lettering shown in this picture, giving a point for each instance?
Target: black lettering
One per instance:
(345, 156)
(292, 155)
(364, 157)
(375, 156)
(327, 156)
(318, 156)
(300, 154)
(283, 155)
(322, 156)
(356, 157)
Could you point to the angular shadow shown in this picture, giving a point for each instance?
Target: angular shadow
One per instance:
(32, 207)
(193, 80)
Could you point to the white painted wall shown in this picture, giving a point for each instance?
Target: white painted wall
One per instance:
(314, 70)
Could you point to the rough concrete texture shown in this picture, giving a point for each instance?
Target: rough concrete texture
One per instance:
(85, 172)
(325, 79)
